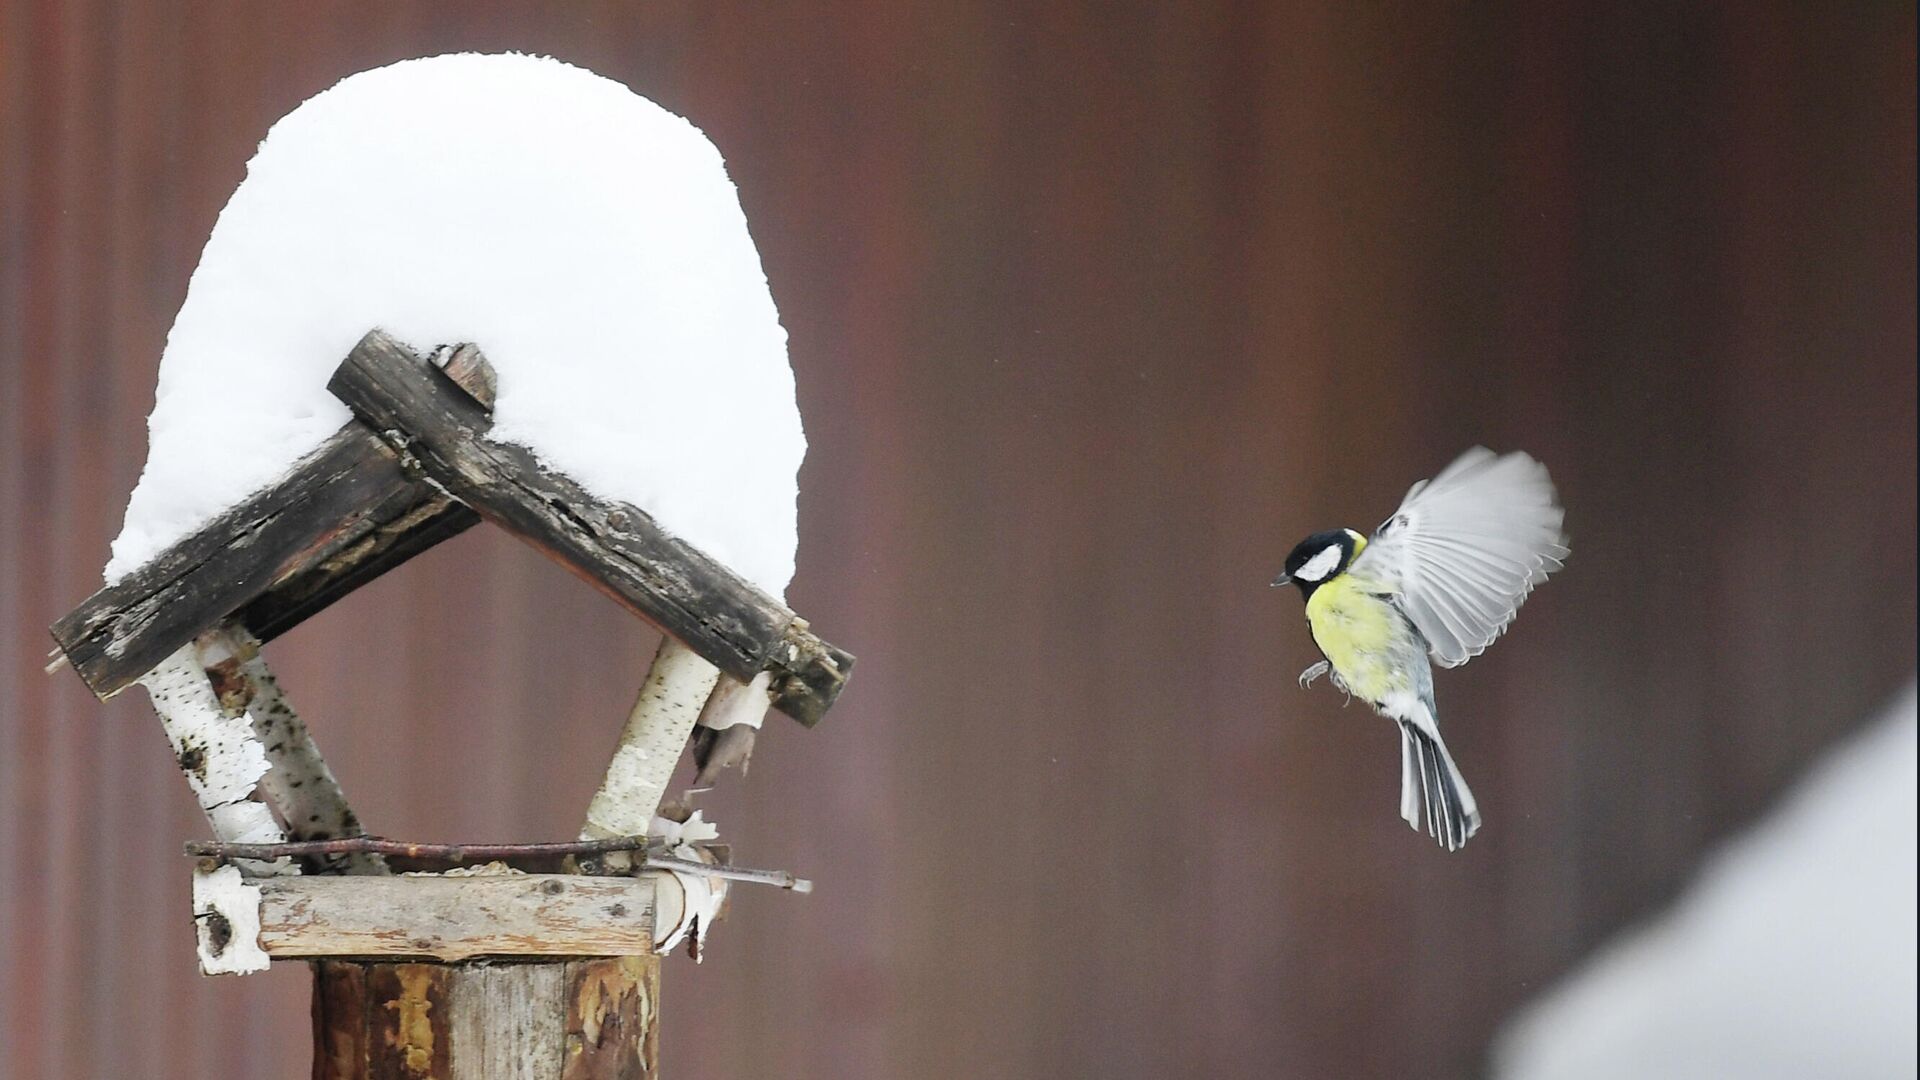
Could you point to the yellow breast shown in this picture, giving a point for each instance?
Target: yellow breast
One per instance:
(1359, 634)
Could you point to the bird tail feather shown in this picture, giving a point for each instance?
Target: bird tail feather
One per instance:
(1431, 787)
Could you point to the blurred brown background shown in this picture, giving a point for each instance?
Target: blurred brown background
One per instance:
(1095, 309)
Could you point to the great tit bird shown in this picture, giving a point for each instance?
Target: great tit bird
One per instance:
(1442, 578)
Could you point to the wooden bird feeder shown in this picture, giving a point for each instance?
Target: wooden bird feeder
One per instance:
(460, 961)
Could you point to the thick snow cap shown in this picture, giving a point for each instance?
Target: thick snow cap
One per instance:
(587, 239)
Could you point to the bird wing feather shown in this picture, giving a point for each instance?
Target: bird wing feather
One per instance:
(1465, 549)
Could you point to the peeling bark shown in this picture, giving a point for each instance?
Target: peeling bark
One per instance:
(222, 759)
(728, 728)
(226, 919)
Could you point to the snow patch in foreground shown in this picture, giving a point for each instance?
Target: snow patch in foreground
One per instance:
(1792, 956)
(587, 239)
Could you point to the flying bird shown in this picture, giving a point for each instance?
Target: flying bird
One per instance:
(1441, 578)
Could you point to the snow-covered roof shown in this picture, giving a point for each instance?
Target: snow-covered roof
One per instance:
(586, 238)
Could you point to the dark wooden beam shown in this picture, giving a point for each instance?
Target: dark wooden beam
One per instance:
(440, 430)
(363, 503)
(389, 543)
(307, 534)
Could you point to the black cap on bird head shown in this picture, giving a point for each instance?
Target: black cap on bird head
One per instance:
(1319, 557)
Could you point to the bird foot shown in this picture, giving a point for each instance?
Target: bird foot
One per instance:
(1314, 672)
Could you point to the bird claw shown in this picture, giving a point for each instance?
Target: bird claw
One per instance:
(1314, 672)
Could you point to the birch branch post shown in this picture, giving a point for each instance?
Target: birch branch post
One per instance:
(217, 751)
(676, 688)
(298, 782)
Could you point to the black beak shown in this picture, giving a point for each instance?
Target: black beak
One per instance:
(1283, 579)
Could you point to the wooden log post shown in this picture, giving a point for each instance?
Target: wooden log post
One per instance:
(588, 1018)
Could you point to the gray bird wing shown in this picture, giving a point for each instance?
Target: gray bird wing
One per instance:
(1465, 549)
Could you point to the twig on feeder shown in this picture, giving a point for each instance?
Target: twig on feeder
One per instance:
(678, 685)
(779, 878)
(375, 845)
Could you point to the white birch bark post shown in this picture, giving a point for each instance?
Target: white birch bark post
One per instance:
(299, 783)
(677, 687)
(222, 760)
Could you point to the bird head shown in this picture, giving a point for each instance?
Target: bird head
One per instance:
(1320, 558)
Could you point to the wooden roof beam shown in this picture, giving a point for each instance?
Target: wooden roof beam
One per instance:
(412, 469)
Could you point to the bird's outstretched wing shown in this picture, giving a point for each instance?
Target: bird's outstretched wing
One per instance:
(1466, 547)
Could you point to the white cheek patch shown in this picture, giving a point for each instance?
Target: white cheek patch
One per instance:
(1320, 565)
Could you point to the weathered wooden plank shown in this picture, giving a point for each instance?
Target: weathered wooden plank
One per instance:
(400, 532)
(508, 1021)
(614, 546)
(456, 917)
(353, 509)
(810, 679)
(343, 490)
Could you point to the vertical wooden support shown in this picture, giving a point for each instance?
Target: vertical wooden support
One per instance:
(591, 1018)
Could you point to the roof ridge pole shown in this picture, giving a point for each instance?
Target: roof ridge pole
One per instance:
(676, 689)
